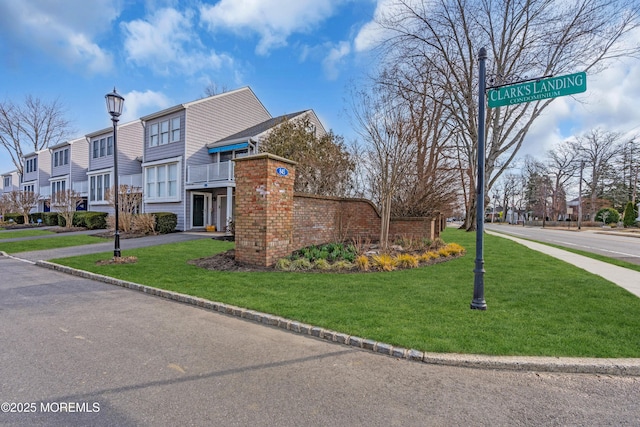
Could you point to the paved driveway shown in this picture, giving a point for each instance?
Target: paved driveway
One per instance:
(142, 360)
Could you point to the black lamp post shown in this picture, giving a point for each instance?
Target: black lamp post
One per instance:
(114, 106)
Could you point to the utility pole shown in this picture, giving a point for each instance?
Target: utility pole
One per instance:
(580, 196)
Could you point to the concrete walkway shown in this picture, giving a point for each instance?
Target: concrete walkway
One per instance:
(623, 277)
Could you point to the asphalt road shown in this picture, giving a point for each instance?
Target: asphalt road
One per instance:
(118, 357)
(613, 245)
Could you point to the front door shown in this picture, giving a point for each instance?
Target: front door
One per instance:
(198, 210)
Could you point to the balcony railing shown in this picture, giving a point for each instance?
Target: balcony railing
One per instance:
(81, 187)
(131, 180)
(212, 172)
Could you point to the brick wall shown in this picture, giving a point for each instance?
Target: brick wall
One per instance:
(264, 209)
(271, 221)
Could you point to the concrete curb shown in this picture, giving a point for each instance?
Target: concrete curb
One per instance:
(619, 367)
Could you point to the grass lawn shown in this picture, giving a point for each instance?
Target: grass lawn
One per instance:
(52, 243)
(537, 305)
(24, 233)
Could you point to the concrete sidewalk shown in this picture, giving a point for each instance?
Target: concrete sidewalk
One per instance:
(623, 277)
(106, 246)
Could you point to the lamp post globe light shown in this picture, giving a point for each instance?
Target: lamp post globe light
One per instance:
(114, 107)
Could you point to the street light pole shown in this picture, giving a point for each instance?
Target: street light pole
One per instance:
(580, 196)
(478, 302)
(115, 103)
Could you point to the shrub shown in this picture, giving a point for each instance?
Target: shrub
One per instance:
(454, 249)
(428, 256)
(17, 218)
(444, 252)
(34, 217)
(283, 264)
(166, 222)
(50, 218)
(362, 262)
(144, 223)
(407, 261)
(322, 264)
(342, 265)
(630, 215)
(437, 243)
(300, 264)
(79, 219)
(384, 262)
(608, 216)
(95, 220)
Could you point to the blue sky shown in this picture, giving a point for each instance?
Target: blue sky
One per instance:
(294, 54)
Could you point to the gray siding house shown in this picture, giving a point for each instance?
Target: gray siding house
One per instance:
(37, 171)
(10, 182)
(68, 162)
(175, 150)
(99, 175)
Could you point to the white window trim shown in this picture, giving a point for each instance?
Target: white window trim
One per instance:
(170, 131)
(95, 173)
(178, 197)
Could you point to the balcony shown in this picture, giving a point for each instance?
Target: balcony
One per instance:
(131, 180)
(81, 187)
(212, 174)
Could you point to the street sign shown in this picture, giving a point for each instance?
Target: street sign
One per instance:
(536, 90)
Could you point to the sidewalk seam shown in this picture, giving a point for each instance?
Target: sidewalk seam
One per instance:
(618, 367)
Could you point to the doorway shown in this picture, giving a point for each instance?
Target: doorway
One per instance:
(200, 210)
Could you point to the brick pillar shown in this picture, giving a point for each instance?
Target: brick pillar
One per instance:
(264, 208)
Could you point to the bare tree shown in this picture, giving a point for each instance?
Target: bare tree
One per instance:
(383, 123)
(66, 203)
(6, 205)
(30, 127)
(599, 150)
(129, 202)
(213, 89)
(430, 185)
(562, 164)
(23, 202)
(524, 38)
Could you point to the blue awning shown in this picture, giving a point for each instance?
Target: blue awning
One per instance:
(231, 147)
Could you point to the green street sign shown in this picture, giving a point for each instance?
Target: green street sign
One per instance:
(536, 90)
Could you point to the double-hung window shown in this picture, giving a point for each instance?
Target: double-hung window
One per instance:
(56, 187)
(161, 182)
(164, 132)
(61, 157)
(7, 182)
(98, 186)
(102, 147)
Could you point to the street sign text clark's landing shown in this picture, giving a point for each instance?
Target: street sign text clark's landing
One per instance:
(537, 89)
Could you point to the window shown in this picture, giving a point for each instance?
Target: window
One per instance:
(162, 182)
(153, 135)
(102, 147)
(175, 129)
(31, 188)
(31, 165)
(57, 186)
(61, 157)
(7, 182)
(164, 132)
(98, 186)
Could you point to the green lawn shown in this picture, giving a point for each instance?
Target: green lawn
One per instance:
(537, 305)
(24, 233)
(51, 243)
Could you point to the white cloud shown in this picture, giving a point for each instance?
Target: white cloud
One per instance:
(167, 43)
(63, 33)
(274, 21)
(138, 104)
(372, 34)
(334, 58)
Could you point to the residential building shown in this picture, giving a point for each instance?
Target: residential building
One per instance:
(175, 152)
(35, 177)
(10, 182)
(68, 166)
(99, 174)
